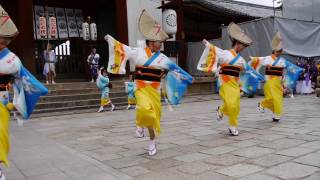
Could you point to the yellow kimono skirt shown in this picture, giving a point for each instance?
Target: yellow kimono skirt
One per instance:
(131, 101)
(230, 94)
(273, 96)
(105, 101)
(4, 134)
(148, 107)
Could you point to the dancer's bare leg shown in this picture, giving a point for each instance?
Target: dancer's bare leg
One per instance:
(152, 143)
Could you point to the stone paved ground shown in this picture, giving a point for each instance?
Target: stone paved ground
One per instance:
(192, 146)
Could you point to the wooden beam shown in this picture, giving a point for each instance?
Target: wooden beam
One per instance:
(23, 44)
(180, 36)
(122, 24)
(200, 35)
(122, 21)
(26, 38)
(218, 15)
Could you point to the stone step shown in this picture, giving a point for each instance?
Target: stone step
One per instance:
(75, 97)
(59, 92)
(86, 102)
(43, 80)
(95, 102)
(80, 85)
(73, 110)
(318, 92)
(83, 91)
(119, 106)
(194, 97)
(81, 97)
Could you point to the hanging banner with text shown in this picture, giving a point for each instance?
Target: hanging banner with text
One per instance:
(72, 24)
(79, 19)
(57, 23)
(62, 23)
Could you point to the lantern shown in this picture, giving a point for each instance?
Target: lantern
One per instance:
(85, 31)
(169, 21)
(93, 32)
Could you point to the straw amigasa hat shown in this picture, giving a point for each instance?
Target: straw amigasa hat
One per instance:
(236, 33)
(150, 28)
(276, 43)
(7, 27)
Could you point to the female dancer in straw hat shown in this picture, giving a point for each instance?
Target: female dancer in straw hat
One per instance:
(150, 65)
(231, 64)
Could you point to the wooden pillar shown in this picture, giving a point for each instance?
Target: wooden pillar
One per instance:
(180, 36)
(23, 44)
(122, 24)
(122, 21)
(10, 7)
